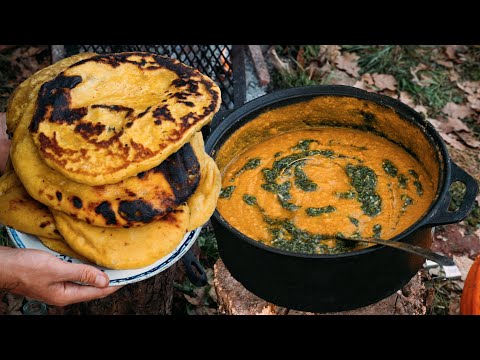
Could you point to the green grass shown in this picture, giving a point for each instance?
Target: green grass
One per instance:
(208, 244)
(457, 193)
(399, 60)
(445, 292)
(389, 59)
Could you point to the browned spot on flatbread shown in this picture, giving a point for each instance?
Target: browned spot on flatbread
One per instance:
(44, 224)
(105, 209)
(77, 202)
(87, 130)
(117, 108)
(53, 102)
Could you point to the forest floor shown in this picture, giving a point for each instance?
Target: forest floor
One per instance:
(440, 82)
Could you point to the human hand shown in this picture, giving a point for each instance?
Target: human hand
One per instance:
(40, 275)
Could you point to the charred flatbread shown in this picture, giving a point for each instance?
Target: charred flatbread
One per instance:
(135, 201)
(125, 248)
(109, 117)
(27, 91)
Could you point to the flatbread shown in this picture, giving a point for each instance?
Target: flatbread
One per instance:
(27, 91)
(132, 202)
(125, 248)
(19, 211)
(110, 117)
(60, 246)
(204, 200)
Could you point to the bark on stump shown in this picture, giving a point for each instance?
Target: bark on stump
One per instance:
(234, 299)
(153, 296)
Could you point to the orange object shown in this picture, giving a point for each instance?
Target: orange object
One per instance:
(470, 302)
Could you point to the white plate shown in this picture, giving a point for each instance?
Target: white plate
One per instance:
(117, 277)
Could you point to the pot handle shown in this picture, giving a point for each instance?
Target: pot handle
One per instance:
(443, 216)
(194, 270)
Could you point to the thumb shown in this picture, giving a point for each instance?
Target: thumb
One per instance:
(86, 274)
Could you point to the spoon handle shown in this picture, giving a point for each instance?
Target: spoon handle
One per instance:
(448, 265)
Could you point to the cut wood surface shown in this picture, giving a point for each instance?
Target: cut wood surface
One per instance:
(234, 299)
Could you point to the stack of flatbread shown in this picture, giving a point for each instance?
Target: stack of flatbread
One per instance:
(107, 159)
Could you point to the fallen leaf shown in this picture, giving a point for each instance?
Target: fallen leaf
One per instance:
(454, 305)
(361, 85)
(391, 93)
(348, 62)
(456, 111)
(464, 263)
(454, 124)
(447, 64)
(421, 109)
(279, 64)
(452, 141)
(338, 77)
(453, 75)
(469, 140)
(328, 53)
(27, 60)
(437, 124)
(470, 87)
(414, 72)
(474, 102)
(384, 81)
(301, 58)
(313, 70)
(406, 99)
(451, 52)
(367, 78)
(193, 300)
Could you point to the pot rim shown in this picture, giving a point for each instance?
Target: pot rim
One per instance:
(400, 108)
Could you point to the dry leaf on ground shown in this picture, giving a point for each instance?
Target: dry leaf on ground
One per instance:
(348, 62)
(421, 109)
(27, 60)
(469, 140)
(453, 75)
(414, 72)
(447, 64)
(279, 64)
(451, 52)
(456, 111)
(470, 87)
(384, 81)
(436, 124)
(454, 124)
(452, 141)
(338, 77)
(464, 263)
(313, 70)
(328, 53)
(406, 98)
(474, 102)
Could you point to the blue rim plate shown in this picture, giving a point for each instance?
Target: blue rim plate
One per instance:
(117, 277)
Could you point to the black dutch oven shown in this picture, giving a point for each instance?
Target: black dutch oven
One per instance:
(324, 283)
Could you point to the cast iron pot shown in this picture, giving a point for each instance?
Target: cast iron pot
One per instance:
(325, 283)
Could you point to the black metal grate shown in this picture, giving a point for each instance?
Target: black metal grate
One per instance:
(223, 63)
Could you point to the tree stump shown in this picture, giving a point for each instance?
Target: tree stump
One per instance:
(234, 299)
(153, 296)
